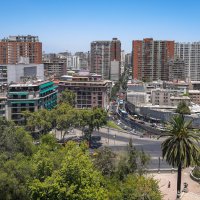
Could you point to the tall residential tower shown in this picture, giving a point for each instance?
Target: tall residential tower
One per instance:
(102, 54)
(151, 59)
(190, 53)
(14, 47)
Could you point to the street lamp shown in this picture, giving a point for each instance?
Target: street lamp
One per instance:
(114, 136)
(108, 134)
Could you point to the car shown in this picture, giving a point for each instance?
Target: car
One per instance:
(125, 127)
(141, 122)
(133, 130)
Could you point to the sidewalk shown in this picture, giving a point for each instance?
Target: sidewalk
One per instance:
(170, 193)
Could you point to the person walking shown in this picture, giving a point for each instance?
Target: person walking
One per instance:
(169, 184)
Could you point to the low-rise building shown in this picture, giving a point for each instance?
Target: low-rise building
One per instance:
(90, 89)
(194, 96)
(180, 86)
(30, 96)
(162, 96)
(175, 100)
(3, 99)
(137, 98)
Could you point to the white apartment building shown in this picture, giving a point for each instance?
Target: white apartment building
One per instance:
(75, 62)
(20, 72)
(115, 70)
(137, 98)
(190, 53)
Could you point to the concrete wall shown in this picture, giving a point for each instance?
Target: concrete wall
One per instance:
(15, 72)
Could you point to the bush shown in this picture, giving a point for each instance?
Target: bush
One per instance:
(196, 172)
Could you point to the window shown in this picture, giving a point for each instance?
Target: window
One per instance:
(23, 96)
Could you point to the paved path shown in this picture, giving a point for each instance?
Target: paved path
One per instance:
(170, 193)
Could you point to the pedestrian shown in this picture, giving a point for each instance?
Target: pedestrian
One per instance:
(169, 184)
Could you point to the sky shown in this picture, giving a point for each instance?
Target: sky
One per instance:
(73, 24)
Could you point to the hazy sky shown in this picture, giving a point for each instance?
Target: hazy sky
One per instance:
(72, 24)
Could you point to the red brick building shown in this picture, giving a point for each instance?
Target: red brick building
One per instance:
(14, 47)
(151, 59)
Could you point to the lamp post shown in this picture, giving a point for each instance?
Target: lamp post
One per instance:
(108, 134)
(114, 136)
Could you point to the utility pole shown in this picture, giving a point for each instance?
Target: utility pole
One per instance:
(108, 134)
(114, 136)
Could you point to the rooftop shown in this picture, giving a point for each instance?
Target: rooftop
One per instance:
(28, 84)
(194, 91)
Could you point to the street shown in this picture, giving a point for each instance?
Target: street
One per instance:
(118, 141)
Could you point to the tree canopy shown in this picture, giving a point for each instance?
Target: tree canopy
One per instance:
(181, 148)
(183, 108)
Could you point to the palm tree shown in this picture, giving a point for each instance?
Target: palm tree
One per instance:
(181, 147)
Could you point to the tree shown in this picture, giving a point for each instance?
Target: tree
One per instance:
(76, 178)
(183, 108)
(38, 121)
(132, 157)
(14, 139)
(69, 97)
(181, 146)
(15, 173)
(104, 161)
(140, 188)
(134, 161)
(91, 119)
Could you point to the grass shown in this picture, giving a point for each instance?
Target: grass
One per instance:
(111, 124)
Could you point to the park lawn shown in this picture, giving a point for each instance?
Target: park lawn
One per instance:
(112, 124)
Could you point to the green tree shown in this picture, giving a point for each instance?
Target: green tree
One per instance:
(15, 140)
(76, 178)
(183, 108)
(66, 121)
(14, 175)
(140, 188)
(133, 161)
(104, 161)
(69, 97)
(132, 157)
(91, 119)
(181, 146)
(39, 121)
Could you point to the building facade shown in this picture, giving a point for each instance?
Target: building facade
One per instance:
(90, 89)
(114, 70)
(14, 47)
(190, 53)
(177, 70)
(21, 72)
(102, 53)
(151, 59)
(194, 96)
(162, 96)
(30, 96)
(54, 65)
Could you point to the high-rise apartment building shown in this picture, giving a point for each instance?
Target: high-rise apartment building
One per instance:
(102, 53)
(190, 53)
(151, 59)
(14, 47)
(177, 70)
(128, 60)
(115, 50)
